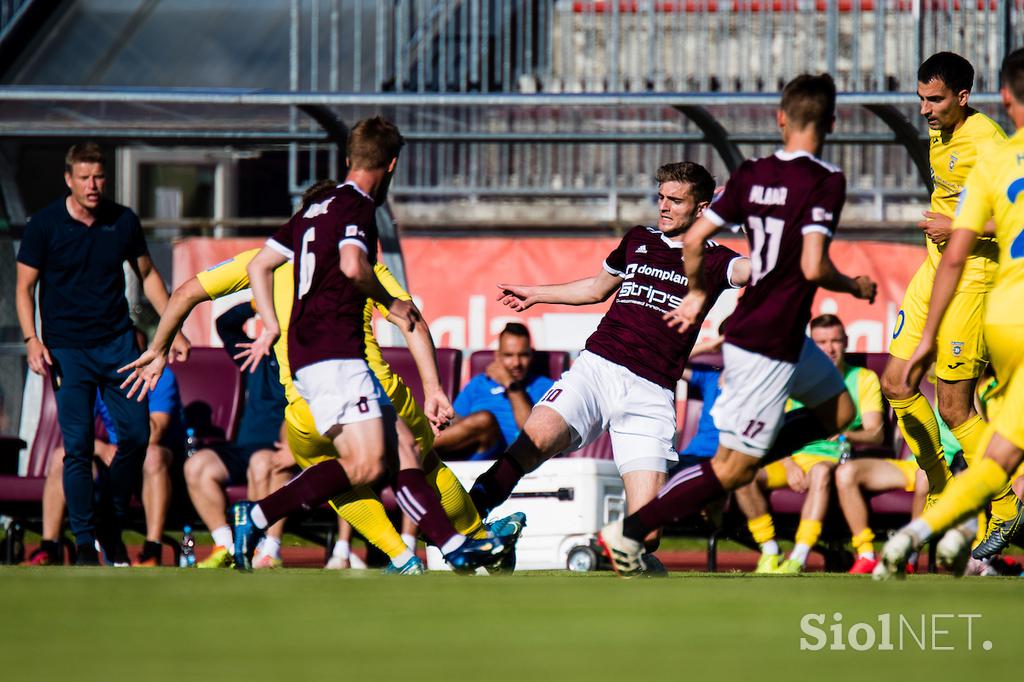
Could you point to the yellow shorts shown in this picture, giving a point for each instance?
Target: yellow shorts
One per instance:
(776, 472)
(309, 447)
(909, 469)
(1004, 340)
(960, 348)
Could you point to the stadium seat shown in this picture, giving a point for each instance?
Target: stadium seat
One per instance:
(449, 364)
(211, 391)
(550, 363)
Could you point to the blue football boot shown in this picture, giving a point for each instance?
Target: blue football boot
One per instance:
(472, 554)
(508, 529)
(247, 535)
(411, 567)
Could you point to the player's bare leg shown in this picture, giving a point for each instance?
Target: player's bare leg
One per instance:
(156, 490)
(544, 435)
(642, 487)
(812, 514)
(853, 479)
(917, 422)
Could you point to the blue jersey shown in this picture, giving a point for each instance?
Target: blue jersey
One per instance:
(704, 385)
(485, 394)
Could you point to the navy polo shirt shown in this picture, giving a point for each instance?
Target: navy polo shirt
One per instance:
(81, 274)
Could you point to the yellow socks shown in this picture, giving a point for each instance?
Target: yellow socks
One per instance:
(965, 495)
(921, 431)
(863, 542)
(458, 505)
(762, 528)
(364, 511)
(971, 436)
(808, 532)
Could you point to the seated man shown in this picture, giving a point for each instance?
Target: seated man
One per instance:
(702, 382)
(166, 441)
(810, 469)
(492, 408)
(210, 470)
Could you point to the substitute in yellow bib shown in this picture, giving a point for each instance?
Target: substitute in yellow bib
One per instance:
(994, 190)
(956, 133)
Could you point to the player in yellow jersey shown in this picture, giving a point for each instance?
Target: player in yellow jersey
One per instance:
(994, 190)
(360, 507)
(956, 131)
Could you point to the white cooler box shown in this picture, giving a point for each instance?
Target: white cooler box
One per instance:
(566, 502)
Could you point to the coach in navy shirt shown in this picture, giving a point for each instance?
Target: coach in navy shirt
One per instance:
(75, 249)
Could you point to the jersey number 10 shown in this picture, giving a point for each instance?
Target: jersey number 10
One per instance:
(764, 252)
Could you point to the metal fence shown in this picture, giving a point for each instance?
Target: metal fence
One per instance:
(527, 46)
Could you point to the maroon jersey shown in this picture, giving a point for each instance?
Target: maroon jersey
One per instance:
(778, 199)
(327, 315)
(632, 333)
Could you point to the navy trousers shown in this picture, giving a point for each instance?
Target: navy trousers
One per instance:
(79, 372)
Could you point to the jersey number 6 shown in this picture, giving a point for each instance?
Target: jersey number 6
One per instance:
(307, 262)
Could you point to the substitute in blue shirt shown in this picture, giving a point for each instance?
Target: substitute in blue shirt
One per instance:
(74, 249)
(493, 406)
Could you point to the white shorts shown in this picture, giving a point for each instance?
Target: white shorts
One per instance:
(340, 392)
(597, 396)
(752, 405)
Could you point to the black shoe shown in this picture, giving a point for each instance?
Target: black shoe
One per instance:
(653, 568)
(1000, 536)
(114, 552)
(87, 555)
(48, 554)
(150, 555)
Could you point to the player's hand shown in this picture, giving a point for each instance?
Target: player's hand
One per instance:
(496, 371)
(865, 288)
(181, 347)
(38, 355)
(688, 312)
(936, 226)
(145, 373)
(795, 476)
(921, 358)
(438, 409)
(253, 352)
(407, 312)
(518, 297)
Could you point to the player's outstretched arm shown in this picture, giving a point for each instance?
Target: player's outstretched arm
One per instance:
(947, 276)
(688, 312)
(146, 370)
(357, 268)
(156, 292)
(436, 405)
(520, 297)
(818, 267)
(261, 278)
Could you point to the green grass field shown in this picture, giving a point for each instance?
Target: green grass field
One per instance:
(160, 624)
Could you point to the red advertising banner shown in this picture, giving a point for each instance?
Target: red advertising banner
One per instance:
(455, 282)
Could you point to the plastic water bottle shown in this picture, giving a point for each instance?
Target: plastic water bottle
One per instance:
(188, 548)
(191, 442)
(845, 449)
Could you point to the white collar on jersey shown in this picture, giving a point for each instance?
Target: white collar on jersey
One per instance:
(671, 244)
(783, 155)
(355, 187)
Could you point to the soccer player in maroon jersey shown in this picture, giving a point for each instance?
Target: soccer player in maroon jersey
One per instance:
(334, 245)
(789, 204)
(625, 380)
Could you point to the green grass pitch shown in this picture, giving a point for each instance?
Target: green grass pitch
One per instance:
(112, 624)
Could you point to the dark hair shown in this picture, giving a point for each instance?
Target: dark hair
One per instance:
(516, 329)
(827, 320)
(317, 191)
(1011, 74)
(810, 100)
(84, 152)
(950, 68)
(702, 183)
(372, 143)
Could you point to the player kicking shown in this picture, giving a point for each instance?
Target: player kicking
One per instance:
(334, 244)
(624, 382)
(789, 203)
(993, 190)
(956, 131)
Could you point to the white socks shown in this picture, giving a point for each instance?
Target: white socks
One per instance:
(410, 541)
(222, 537)
(258, 518)
(799, 553)
(270, 546)
(770, 547)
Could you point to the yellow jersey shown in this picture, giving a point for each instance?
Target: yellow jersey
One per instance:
(952, 156)
(231, 275)
(994, 191)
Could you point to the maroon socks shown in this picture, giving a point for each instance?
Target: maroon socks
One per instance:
(310, 489)
(495, 485)
(422, 504)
